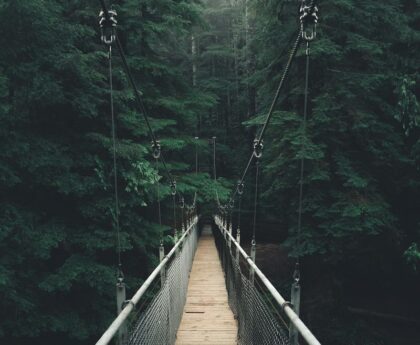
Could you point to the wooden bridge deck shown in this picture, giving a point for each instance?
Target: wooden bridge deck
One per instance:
(207, 318)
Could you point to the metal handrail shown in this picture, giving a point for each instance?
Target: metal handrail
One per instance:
(122, 317)
(291, 315)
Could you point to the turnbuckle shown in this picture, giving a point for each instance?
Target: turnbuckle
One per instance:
(308, 20)
(156, 149)
(258, 148)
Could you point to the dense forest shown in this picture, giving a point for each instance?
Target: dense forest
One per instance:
(207, 69)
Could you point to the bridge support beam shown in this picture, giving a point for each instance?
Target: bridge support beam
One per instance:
(121, 298)
(295, 300)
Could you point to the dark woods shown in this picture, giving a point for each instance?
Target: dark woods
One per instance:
(209, 68)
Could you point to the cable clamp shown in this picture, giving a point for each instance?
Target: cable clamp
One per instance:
(181, 202)
(308, 20)
(258, 148)
(120, 274)
(156, 149)
(296, 274)
(286, 304)
(127, 302)
(108, 26)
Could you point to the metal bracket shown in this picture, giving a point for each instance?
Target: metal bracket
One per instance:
(156, 149)
(308, 21)
(108, 26)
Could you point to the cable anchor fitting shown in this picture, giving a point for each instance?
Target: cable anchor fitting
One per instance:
(108, 26)
(173, 188)
(308, 20)
(296, 274)
(258, 148)
(156, 149)
(120, 275)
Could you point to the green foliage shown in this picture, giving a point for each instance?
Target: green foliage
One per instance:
(57, 268)
(361, 140)
(361, 145)
(351, 137)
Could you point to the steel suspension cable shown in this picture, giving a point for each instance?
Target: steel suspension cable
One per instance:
(137, 93)
(182, 205)
(175, 222)
(308, 20)
(280, 86)
(196, 156)
(196, 169)
(215, 172)
(284, 76)
(239, 211)
(214, 159)
(257, 173)
(156, 152)
(158, 192)
(273, 104)
(303, 138)
(114, 155)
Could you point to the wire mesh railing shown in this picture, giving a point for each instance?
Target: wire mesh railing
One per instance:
(158, 323)
(154, 313)
(263, 315)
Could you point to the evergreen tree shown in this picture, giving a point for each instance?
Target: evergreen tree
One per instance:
(361, 174)
(57, 268)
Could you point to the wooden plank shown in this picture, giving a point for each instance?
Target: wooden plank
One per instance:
(207, 318)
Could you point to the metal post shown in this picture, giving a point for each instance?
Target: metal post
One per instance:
(252, 279)
(238, 239)
(229, 229)
(253, 254)
(176, 241)
(295, 300)
(161, 257)
(121, 298)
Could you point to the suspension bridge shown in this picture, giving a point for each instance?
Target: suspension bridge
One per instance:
(207, 289)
